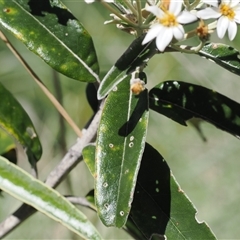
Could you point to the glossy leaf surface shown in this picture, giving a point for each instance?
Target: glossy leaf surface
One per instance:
(26, 188)
(190, 100)
(119, 147)
(223, 55)
(15, 121)
(50, 30)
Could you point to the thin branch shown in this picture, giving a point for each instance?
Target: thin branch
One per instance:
(54, 101)
(82, 201)
(70, 160)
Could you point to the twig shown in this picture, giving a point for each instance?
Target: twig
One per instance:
(82, 201)
(54, 101)
(70, 160)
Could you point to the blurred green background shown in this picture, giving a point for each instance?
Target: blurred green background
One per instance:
(208, 172)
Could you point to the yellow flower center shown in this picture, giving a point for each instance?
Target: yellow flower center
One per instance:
(168, 20)
(227, 11)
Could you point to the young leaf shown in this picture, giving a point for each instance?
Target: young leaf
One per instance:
(223, 55)
(160, 207)
(119, 147)
(50, 30)
(26, 188)
(15, 121)
(191, 100)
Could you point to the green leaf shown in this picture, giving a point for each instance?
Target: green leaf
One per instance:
(15, 121)
(6, 142)
(50, 30)
(183, 223)
(110, 81)
(136, 55)
(7, 147)
(119, 147)
(26, 188)
(89, 157)
(223, 55)
(160, 207)
(192, 100)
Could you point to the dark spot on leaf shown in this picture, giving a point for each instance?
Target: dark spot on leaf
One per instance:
(40, 8)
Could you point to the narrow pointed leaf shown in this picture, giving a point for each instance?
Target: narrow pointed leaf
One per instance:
(15, 121)
(195, 101)
(50, 30)
(160, 207)
(136, 55)
(119, 147)
(24, 187)
(223, 55)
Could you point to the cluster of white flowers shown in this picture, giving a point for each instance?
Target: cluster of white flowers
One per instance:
(170, 16)
(168, 21)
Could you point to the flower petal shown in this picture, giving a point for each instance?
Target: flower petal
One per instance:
(186, 17)
(175, 6)
(178, 32)
(232, 30)
(209, 13)
(155, 10)
(164, 38)
(233, 3)
(222, 26)
(237, 15)
(212, 2)
(152, 33)
(226, 2)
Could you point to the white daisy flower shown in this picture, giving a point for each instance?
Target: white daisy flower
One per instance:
(228, 14)
(168, 25)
